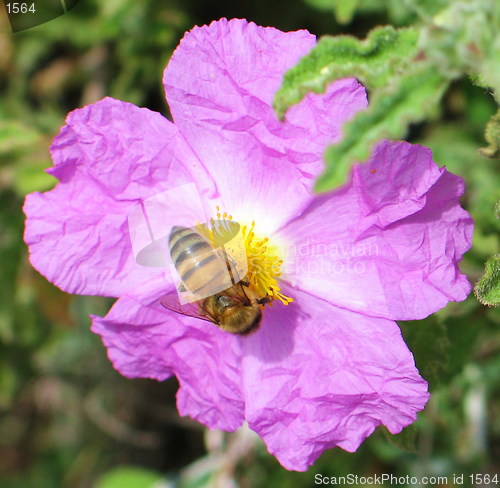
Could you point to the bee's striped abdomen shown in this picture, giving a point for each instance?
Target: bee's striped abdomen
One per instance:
(195, 260)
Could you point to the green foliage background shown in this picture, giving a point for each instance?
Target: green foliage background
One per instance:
(66, 418)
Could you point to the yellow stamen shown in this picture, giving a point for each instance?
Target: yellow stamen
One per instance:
(264, 265)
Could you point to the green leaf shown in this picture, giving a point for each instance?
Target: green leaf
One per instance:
(390, 112)
(25, 153)
(374, 62)
(396, 11)
(463, 338)
(428, 341)
(324, 4)
(406, 440)
(492, 136)
(15, 136)
(487, 289)
(427, 8)
(490, 69)
(344, 10)
(128, 477)
(29, 176)
(464, 39)
(9, 384)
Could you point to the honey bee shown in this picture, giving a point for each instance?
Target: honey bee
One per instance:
(235, 309)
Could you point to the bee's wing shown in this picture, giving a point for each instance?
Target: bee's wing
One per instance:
(171, 302)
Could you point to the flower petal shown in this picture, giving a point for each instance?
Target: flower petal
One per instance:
(317, 376)
(109, 158)
(146, 340)
(388, 243)
(220, 84)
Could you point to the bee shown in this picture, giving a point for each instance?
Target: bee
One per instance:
(235, 309)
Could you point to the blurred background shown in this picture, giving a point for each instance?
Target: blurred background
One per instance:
(67, 419)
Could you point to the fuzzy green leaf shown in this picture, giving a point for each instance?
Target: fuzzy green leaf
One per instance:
(374, 61)
(390, 112)
(464, 38)
(487, 289)
(492, 136)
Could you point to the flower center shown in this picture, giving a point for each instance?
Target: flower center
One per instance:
(263, 261)
(264, 266)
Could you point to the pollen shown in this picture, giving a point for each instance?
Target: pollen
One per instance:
(263, 261)
(264, 265)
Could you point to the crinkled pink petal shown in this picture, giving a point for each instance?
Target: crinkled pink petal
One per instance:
(388, 243)
(317, 376)
(108, 158)
(220, 85)
(146, 340)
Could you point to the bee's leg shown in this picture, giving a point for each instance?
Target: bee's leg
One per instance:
(263, 301)
(207, 310)
(245, 282)
(202, 307)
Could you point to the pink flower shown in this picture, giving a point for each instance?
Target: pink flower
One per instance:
(330, 367)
